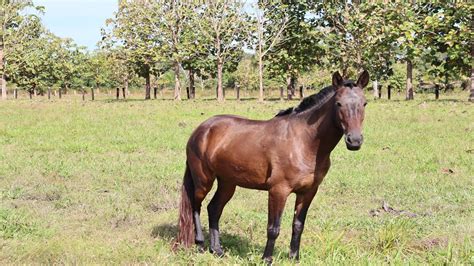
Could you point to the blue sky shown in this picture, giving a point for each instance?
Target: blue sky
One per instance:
(78, 19)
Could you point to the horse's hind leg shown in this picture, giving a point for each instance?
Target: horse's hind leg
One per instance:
(224, 193)
(203, 180)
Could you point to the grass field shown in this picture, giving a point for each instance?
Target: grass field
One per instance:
(98, 182)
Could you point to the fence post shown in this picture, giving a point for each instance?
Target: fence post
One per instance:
(389, 91)
(237, 91)
(155, 91)
(436, 91)
(49, 93)
(92, 93)
(380, 91)
(301, 92)
(123, 92)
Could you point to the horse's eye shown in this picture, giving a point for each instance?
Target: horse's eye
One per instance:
(338, 104)
(365, 104)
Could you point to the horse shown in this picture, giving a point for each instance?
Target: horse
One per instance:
(286, 154)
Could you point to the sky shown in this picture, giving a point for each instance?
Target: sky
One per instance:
(80, 20)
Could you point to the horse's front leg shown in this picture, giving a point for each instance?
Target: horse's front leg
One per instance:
(276, 204)
(303, 201)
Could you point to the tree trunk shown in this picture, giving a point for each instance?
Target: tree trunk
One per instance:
(301, 92)
(3, 80)
(389, 91)
(60, 93)
(147, 83)
(436, 92)
(92, 93)
(117, 94)
(409, 87)
(192, 87)
(471, 96)
(291, 86)
(220, 91)
(237, 92)
(375, 86)
(288, 88)
(125, 87)
(260, 77)
(177, 85)
(155, 91)
(124, 93)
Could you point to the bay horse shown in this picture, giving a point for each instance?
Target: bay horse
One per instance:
(286, 154)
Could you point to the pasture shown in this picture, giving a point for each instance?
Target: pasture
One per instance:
(98, 182)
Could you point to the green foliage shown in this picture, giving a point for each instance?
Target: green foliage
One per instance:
(301, 47)
(447, 40)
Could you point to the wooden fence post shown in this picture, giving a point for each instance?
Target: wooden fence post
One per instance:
(436, 91)
(49, 93)
(389, 91)
(301, 92)
(237, 91)
(155, 91)
(60, 93)
(83, 94)
(282, 93)
(188, 93)
(380, 91)
(92, 93)
(123, 93)
(15, 93)
(117, 94)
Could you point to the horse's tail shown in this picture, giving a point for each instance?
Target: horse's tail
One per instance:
(186, 221)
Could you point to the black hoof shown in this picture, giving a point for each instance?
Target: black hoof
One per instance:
(268, 260)
(200, 246)
(217, 252)
(294, 256)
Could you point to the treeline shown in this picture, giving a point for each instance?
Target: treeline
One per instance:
(230, 43)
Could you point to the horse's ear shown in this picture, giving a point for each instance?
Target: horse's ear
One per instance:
(363, 79)
(337, 80)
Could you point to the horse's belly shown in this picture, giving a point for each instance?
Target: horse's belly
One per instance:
(246, 175)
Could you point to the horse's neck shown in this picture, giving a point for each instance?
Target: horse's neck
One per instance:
(322, 132)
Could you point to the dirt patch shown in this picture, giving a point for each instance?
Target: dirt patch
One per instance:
(386, 209)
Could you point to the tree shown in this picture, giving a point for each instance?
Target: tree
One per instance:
(301, 48)
(269, 33)
(15, 29)
(134, 34)
(225, 24)
(447, 40)
(173, 24)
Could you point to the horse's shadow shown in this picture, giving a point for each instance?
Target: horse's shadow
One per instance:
(232, 244)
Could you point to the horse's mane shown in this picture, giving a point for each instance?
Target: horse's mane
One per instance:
(315, 100)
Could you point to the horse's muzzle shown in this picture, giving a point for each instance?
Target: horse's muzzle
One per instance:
(354, 141)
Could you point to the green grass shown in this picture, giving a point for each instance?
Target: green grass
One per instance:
(97, 182)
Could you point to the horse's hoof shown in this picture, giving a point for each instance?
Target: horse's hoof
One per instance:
(294, 256)
(201, 249)
(217, 252)
(268, 260)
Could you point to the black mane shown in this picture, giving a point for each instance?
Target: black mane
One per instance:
(315, 100)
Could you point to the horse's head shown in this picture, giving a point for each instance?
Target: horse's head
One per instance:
(350, 105)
